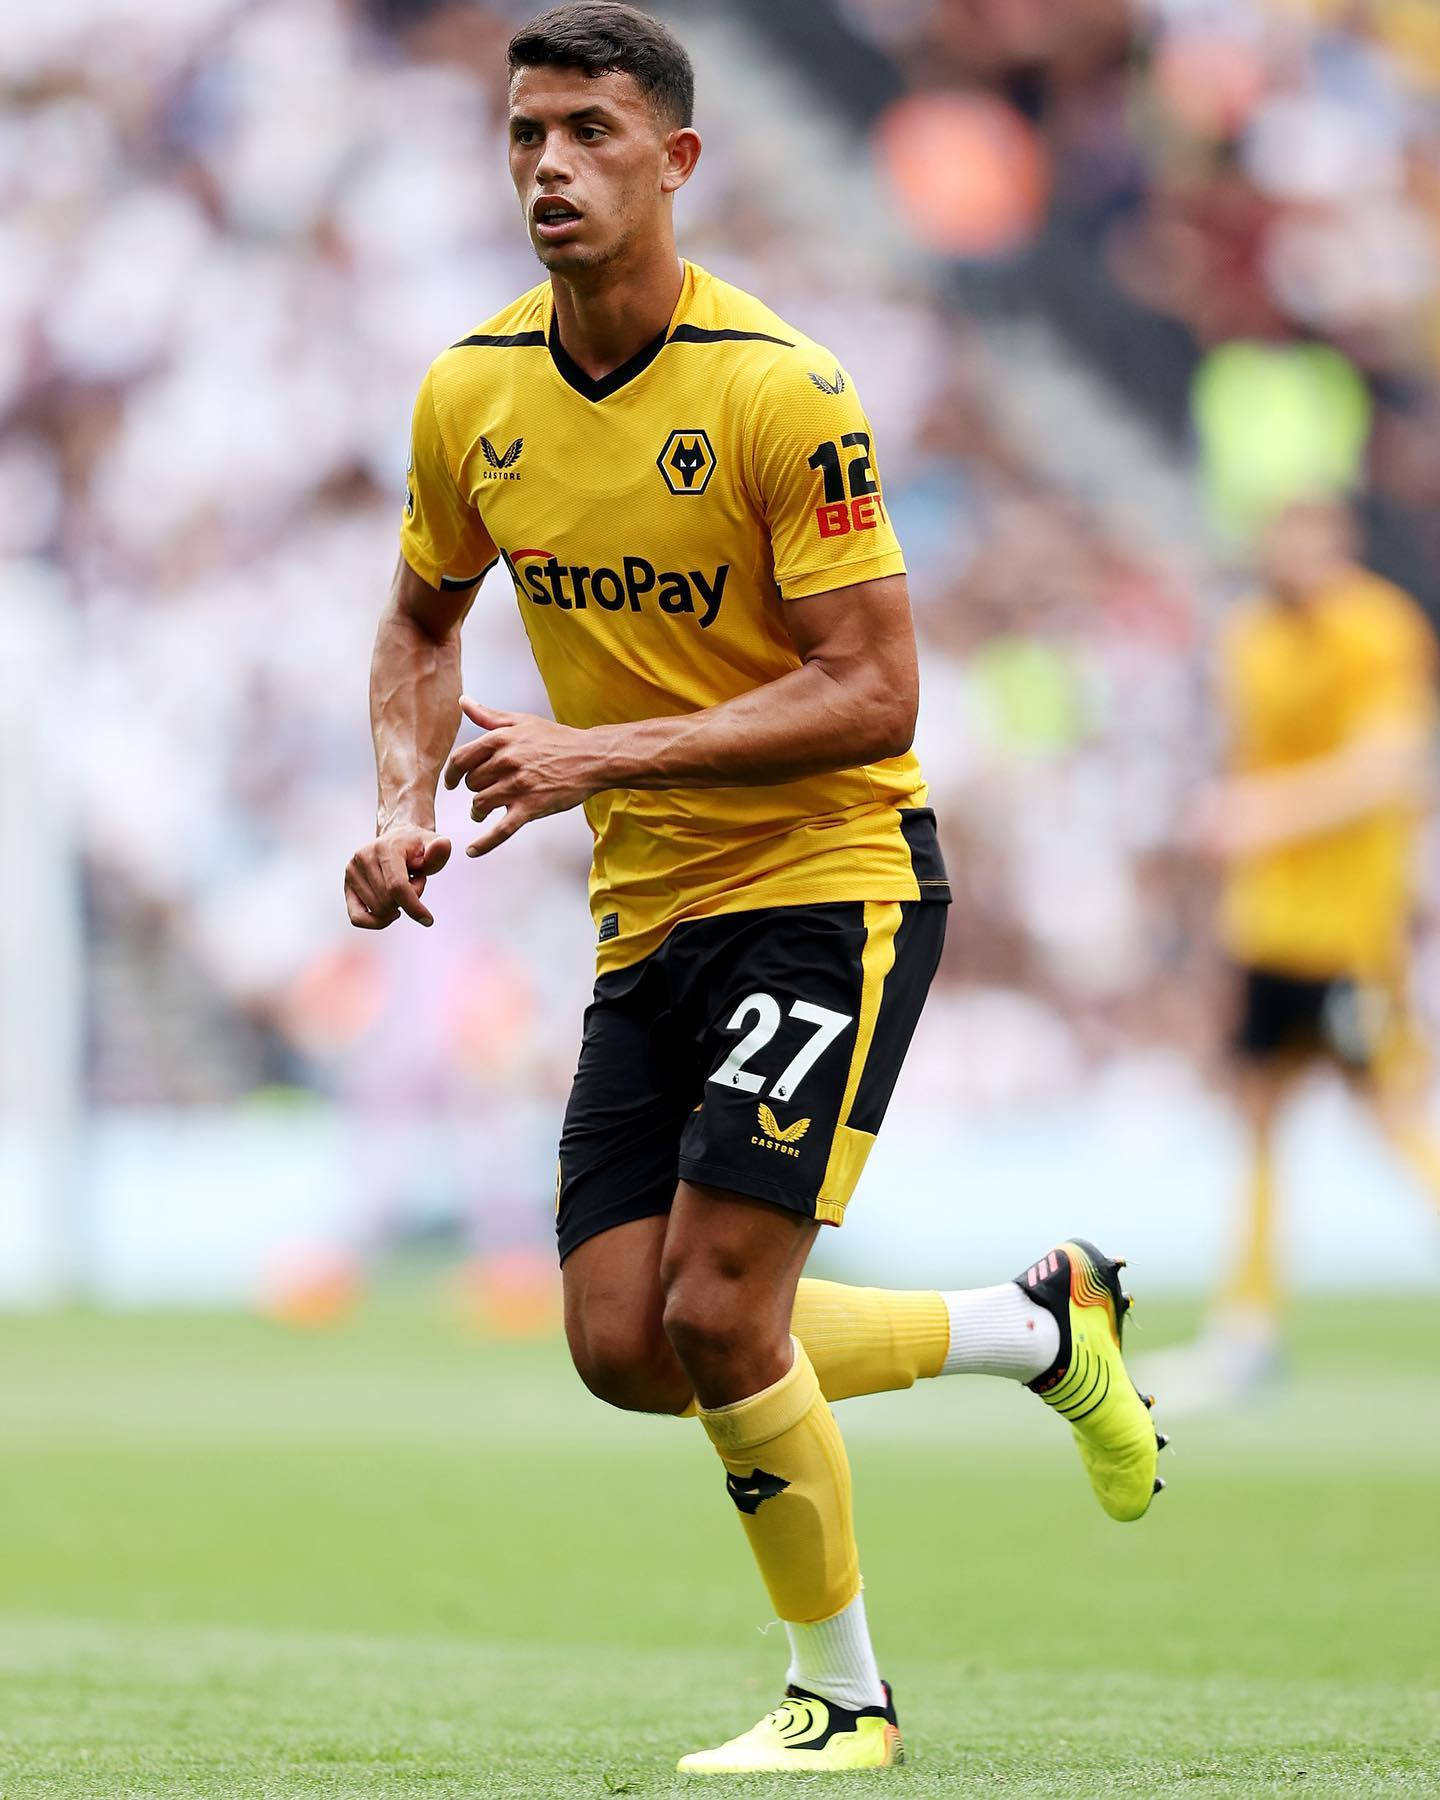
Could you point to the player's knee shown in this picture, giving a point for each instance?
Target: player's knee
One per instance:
(708, 1324)
(629, 1370)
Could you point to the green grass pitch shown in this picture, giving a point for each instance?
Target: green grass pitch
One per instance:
(390, 1560)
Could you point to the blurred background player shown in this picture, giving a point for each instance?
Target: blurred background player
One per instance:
(1327, 690)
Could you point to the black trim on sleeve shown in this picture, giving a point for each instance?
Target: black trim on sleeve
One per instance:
(453, 584)
(514, 340)
(571, 372)
(701, 334)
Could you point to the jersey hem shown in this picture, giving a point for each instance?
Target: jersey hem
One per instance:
(1296, 967)
(756, 900)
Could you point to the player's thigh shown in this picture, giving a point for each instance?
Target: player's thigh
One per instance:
(803, 1016)
(620, 1140)
(619, 1148)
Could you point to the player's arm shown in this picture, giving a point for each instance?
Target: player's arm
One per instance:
(853, 700)
(1385, 765)
(1384, 762)
(414, 712)
(415, 682)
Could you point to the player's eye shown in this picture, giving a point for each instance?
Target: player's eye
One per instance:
(590, 134)
(523, 134)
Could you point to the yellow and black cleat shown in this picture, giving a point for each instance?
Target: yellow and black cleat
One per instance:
(1088, 1384)
(806, 1735)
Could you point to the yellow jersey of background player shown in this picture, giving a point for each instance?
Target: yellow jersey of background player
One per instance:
(688, 500)
(657, 524)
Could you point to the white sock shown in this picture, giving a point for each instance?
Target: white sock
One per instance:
(834, 1659)
(999, 1331)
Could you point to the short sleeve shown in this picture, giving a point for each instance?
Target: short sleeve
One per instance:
(1391, 684)
(442, 536)
(813, 464)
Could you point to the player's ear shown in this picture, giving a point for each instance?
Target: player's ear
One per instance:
(682, 152)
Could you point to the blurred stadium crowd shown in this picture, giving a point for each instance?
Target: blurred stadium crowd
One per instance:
(235, 233)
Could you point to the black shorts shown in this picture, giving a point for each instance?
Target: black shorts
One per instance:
(1289, 1015)
(754, 1052)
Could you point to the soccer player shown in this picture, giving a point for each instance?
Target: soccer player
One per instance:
(685, 493)
(1327, 689)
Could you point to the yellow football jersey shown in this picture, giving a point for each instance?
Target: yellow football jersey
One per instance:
(655, 525)
(1301, 683)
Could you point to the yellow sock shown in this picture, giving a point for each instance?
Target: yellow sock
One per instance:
(870, 1340)
(1255, 1283)
(790, 1478)
(1420, 1148)
(867, 1340)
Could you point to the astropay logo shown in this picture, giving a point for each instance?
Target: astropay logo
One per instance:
(545, 579)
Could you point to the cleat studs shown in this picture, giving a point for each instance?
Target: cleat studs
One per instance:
(1159, 1487)
(1120, 1262)
(1161, 1440)
(1149, 1400)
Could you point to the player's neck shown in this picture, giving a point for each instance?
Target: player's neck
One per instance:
(607, 316)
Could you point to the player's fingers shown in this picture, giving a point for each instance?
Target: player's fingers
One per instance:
(503, 828)
(468, 757)
(503, 793)
(432, 859)
(400, 887)
(485, 774)
(486, 717)
(362, 881)
(360, 915)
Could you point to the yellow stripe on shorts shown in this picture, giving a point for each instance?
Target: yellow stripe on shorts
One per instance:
(849, 1148)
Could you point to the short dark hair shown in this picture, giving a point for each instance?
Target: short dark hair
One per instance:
(604, 37)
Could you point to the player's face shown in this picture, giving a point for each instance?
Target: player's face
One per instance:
(593, 164)
(1304, 546)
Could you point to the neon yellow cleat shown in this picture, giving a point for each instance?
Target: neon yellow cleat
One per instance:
(1088, 1383)
(806, 1735)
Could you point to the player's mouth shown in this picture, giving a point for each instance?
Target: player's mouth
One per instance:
(554, 218)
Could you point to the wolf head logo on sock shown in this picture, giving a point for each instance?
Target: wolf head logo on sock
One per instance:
(747, 1491)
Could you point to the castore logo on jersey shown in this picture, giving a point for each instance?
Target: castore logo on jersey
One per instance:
(500, 464)
(545, 580)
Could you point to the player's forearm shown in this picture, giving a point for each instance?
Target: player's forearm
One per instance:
(805, 723)
(1289, 805)
(414, 713)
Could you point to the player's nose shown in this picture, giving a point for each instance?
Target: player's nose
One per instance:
(552, 170)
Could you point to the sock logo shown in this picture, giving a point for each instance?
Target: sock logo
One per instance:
(747, 1491)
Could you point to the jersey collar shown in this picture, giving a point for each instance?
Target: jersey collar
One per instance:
(574, 376)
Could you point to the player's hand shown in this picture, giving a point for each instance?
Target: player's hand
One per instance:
(528, 766)
(387, 876)
(1227, 819)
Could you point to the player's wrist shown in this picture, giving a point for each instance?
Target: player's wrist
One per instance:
(616, 761)
(404, 814)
